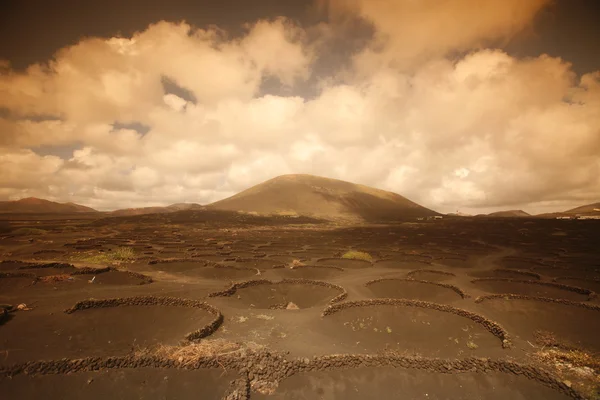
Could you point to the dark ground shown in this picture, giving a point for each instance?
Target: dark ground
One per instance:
(435, 262)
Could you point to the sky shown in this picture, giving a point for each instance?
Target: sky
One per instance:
(459, 105)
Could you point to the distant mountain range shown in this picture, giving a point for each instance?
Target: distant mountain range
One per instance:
(589, 210)
(41, 206)
(292, 196)
(510, 214)
(593, 208)
(155, 210)
(33, 205)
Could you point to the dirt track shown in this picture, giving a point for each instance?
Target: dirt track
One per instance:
(394, 346)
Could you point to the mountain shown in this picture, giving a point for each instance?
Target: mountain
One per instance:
(313, 196)
(459, 214)
(510, 214)
(155, 210)
(590, 209)
(40, 206)
(184, 206)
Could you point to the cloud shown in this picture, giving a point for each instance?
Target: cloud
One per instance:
(476, 131)
(121, 78)
(407, 32)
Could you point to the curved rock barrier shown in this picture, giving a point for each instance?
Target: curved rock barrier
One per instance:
(264, 369)
(519, 272)
(57, 265)
(586, 292)
(535, 298)
(240, 285)
(431, 271)
(157, 301)
(494, 328)
(348, 262)
(144, 279)
(317, 266)
(456, 289)
(175, 260)
(392, 262)
(18, 275)
(273, 264)
(16, 262)
(92, 270)
(312, 272)
(561, 278)
(520, 261)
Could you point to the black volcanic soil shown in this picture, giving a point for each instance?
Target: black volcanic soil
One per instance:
(268, 296)
(431, 275)
(141, 383)
(412, 330)
(576, 325)
(529, 289)
(35, 334)
(215, 249)
(309, 272)
(225, 272)
(389, 383)
(407, 289)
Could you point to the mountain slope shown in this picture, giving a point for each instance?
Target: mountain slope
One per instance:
(590, 209)
(41, 206)
(510, 214)
(587, 210)
(319, 197)
(155, 210)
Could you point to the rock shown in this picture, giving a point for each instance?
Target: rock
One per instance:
(292, 306)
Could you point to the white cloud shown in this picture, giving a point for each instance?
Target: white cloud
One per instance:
(484, 130)
(175, 102)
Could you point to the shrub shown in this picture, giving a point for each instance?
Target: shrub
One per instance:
(115, 256)
(358, 255)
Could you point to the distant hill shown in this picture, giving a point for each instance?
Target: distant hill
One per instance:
(459, 214)
(31, 205)
(318, 197)
(155, 210)
(590, 209)
(510, 214)
(585, 211)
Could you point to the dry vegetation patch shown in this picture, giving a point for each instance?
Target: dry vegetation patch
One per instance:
(357, 255)
(191, 354)
(114, 256)
(55, 278)
(576, 368)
